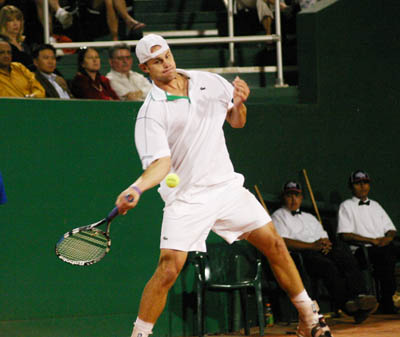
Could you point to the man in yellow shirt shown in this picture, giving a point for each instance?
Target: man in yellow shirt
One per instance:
(15, 79)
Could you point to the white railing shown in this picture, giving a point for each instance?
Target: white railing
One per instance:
(231, 39)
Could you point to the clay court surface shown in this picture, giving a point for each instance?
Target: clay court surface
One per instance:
(374, 326)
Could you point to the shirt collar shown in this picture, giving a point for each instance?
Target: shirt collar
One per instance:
(116, 73)
(160, 95)
(357, 200)
(51, 76)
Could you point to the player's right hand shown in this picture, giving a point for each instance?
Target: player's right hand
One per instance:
(127, 200)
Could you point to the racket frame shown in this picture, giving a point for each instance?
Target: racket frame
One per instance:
(91, 227)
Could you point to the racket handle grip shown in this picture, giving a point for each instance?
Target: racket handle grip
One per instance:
(112, 214)
(115, 211)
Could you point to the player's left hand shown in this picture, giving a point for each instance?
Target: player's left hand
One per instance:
(241, 91)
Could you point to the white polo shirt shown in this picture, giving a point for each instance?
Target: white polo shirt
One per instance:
(370, 221)
(190, 130)
(123, 84)
(301, 227)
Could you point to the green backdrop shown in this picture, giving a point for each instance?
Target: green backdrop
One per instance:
(64, 162)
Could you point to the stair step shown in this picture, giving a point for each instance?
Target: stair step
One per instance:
(178, 19)
(151, 6)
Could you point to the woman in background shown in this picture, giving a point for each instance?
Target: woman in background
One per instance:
(12, 26)
(88, 82)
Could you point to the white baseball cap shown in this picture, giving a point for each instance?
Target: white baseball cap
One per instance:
(143, 48)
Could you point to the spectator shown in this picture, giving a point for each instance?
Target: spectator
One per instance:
(265, 11)
(15, 79)
(12, 26)
(3, 197)
(44, 58)
(63, 16)
(32, 26)
(334, 263)
(113, 9)
(128, 85)
(88, 82)
(364, 221)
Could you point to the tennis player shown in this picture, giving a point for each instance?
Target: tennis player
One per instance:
(179, 129)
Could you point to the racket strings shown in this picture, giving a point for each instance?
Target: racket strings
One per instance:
(84, 246)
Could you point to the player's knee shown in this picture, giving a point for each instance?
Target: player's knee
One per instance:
(168, 271)
(167, 276)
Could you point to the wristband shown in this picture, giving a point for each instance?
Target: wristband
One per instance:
(137, 189)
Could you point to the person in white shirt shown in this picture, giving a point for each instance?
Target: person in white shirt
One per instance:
(129, 85)
(333, 263)
(179, 129)
(362, 220)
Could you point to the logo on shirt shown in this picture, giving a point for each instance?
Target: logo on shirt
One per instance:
(165, 238)
(202, 88)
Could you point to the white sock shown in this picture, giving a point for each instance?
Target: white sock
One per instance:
(305, 307)
(142, 328)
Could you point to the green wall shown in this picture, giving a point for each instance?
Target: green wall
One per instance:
(64, 162)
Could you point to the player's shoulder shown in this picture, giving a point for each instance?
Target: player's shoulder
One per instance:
(151, 106)
(201, 75)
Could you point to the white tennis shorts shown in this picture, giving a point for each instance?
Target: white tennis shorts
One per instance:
(229, 210)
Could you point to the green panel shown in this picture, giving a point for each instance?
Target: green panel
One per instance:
(280, 140)
(348, 52)
(63, 164)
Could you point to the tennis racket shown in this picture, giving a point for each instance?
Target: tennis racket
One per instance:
(86, 245)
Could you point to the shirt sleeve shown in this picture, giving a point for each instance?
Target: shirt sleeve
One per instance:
(345, 223)
(36, 88)
(150, 137)
(280, 226)
(386, 221)
(227, 91)
(118, 85)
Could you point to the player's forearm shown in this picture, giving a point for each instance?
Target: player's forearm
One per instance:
(154, 174)
(237, 116)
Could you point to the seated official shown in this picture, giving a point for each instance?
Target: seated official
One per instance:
(333, 263)
(88, 82)
(129, 85)
(44, 58)
(15, 79)
(364, 221)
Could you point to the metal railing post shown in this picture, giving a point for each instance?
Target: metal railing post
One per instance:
(46, 25)
(279, 78)
(231, 33)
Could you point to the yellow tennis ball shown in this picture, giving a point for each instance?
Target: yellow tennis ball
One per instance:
(172, 180)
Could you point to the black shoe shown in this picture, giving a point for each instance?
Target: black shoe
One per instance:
(366, 302)
(361, 302)
(360, 316)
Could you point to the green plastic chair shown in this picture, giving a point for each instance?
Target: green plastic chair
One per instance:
(228, 268)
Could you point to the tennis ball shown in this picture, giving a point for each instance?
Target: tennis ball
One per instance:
(172, 180)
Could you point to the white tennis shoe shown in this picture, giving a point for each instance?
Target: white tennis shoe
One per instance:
(317, 328)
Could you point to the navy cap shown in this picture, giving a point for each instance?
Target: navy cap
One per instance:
(358, 176)
(292, 186)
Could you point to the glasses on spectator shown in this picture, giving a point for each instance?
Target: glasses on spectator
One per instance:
(92, 57)
(122, 58)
